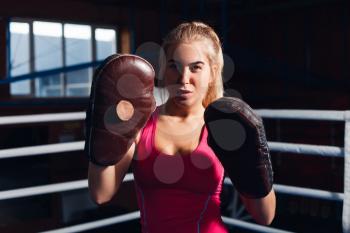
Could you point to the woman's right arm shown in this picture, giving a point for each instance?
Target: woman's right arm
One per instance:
(104, 182)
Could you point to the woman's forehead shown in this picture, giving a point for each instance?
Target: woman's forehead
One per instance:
(186, 53)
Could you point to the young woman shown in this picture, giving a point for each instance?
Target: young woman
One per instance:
(178, 178)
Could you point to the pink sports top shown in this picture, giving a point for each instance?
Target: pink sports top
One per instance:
(177, 193)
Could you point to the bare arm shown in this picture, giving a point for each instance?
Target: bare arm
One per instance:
(261, 209)
(104, 182)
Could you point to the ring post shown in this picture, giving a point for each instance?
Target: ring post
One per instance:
(346, 203)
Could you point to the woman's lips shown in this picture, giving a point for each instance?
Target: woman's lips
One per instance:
(183, 93)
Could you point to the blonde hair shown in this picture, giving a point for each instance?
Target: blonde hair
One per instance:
(192, 31)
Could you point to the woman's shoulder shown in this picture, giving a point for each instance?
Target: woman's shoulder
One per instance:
(148, 124)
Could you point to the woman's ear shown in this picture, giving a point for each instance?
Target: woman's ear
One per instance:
(214, 70)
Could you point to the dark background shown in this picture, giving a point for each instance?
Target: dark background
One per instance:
(287, 54)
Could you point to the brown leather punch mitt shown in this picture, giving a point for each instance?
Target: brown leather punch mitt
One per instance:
(121, 102)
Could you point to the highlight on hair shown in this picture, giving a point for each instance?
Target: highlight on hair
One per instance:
(197, 31)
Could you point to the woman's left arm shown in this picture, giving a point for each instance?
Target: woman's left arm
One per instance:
(261, 209)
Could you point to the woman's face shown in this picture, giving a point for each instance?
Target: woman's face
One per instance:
(187, 73)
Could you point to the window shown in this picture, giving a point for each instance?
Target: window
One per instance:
(105, 42)
(37, 46)
(19, 57)
(48, 55)
(78, 51)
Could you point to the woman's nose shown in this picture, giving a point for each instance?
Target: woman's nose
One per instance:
(184, 76)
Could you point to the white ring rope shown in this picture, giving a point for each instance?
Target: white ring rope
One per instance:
(308, 192)
(280, 114)
(81, 184)
(321, 115)
(39, 118)
(43, 149)
(306, 149)
(51, 188)
(97, 224)
(43, 189)
(298, 191)
(75, 146)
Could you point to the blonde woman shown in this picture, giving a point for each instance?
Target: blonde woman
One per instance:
(178, 175)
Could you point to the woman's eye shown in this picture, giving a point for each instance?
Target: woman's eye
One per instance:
(196, 68)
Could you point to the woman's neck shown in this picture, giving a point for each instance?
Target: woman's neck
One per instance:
(185, 112)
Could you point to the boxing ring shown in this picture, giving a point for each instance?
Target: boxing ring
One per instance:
(305, 149)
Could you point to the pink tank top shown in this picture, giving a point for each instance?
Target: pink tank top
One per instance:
(177, 193)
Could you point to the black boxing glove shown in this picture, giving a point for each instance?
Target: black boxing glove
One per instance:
(121, 102)
(237, 136)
